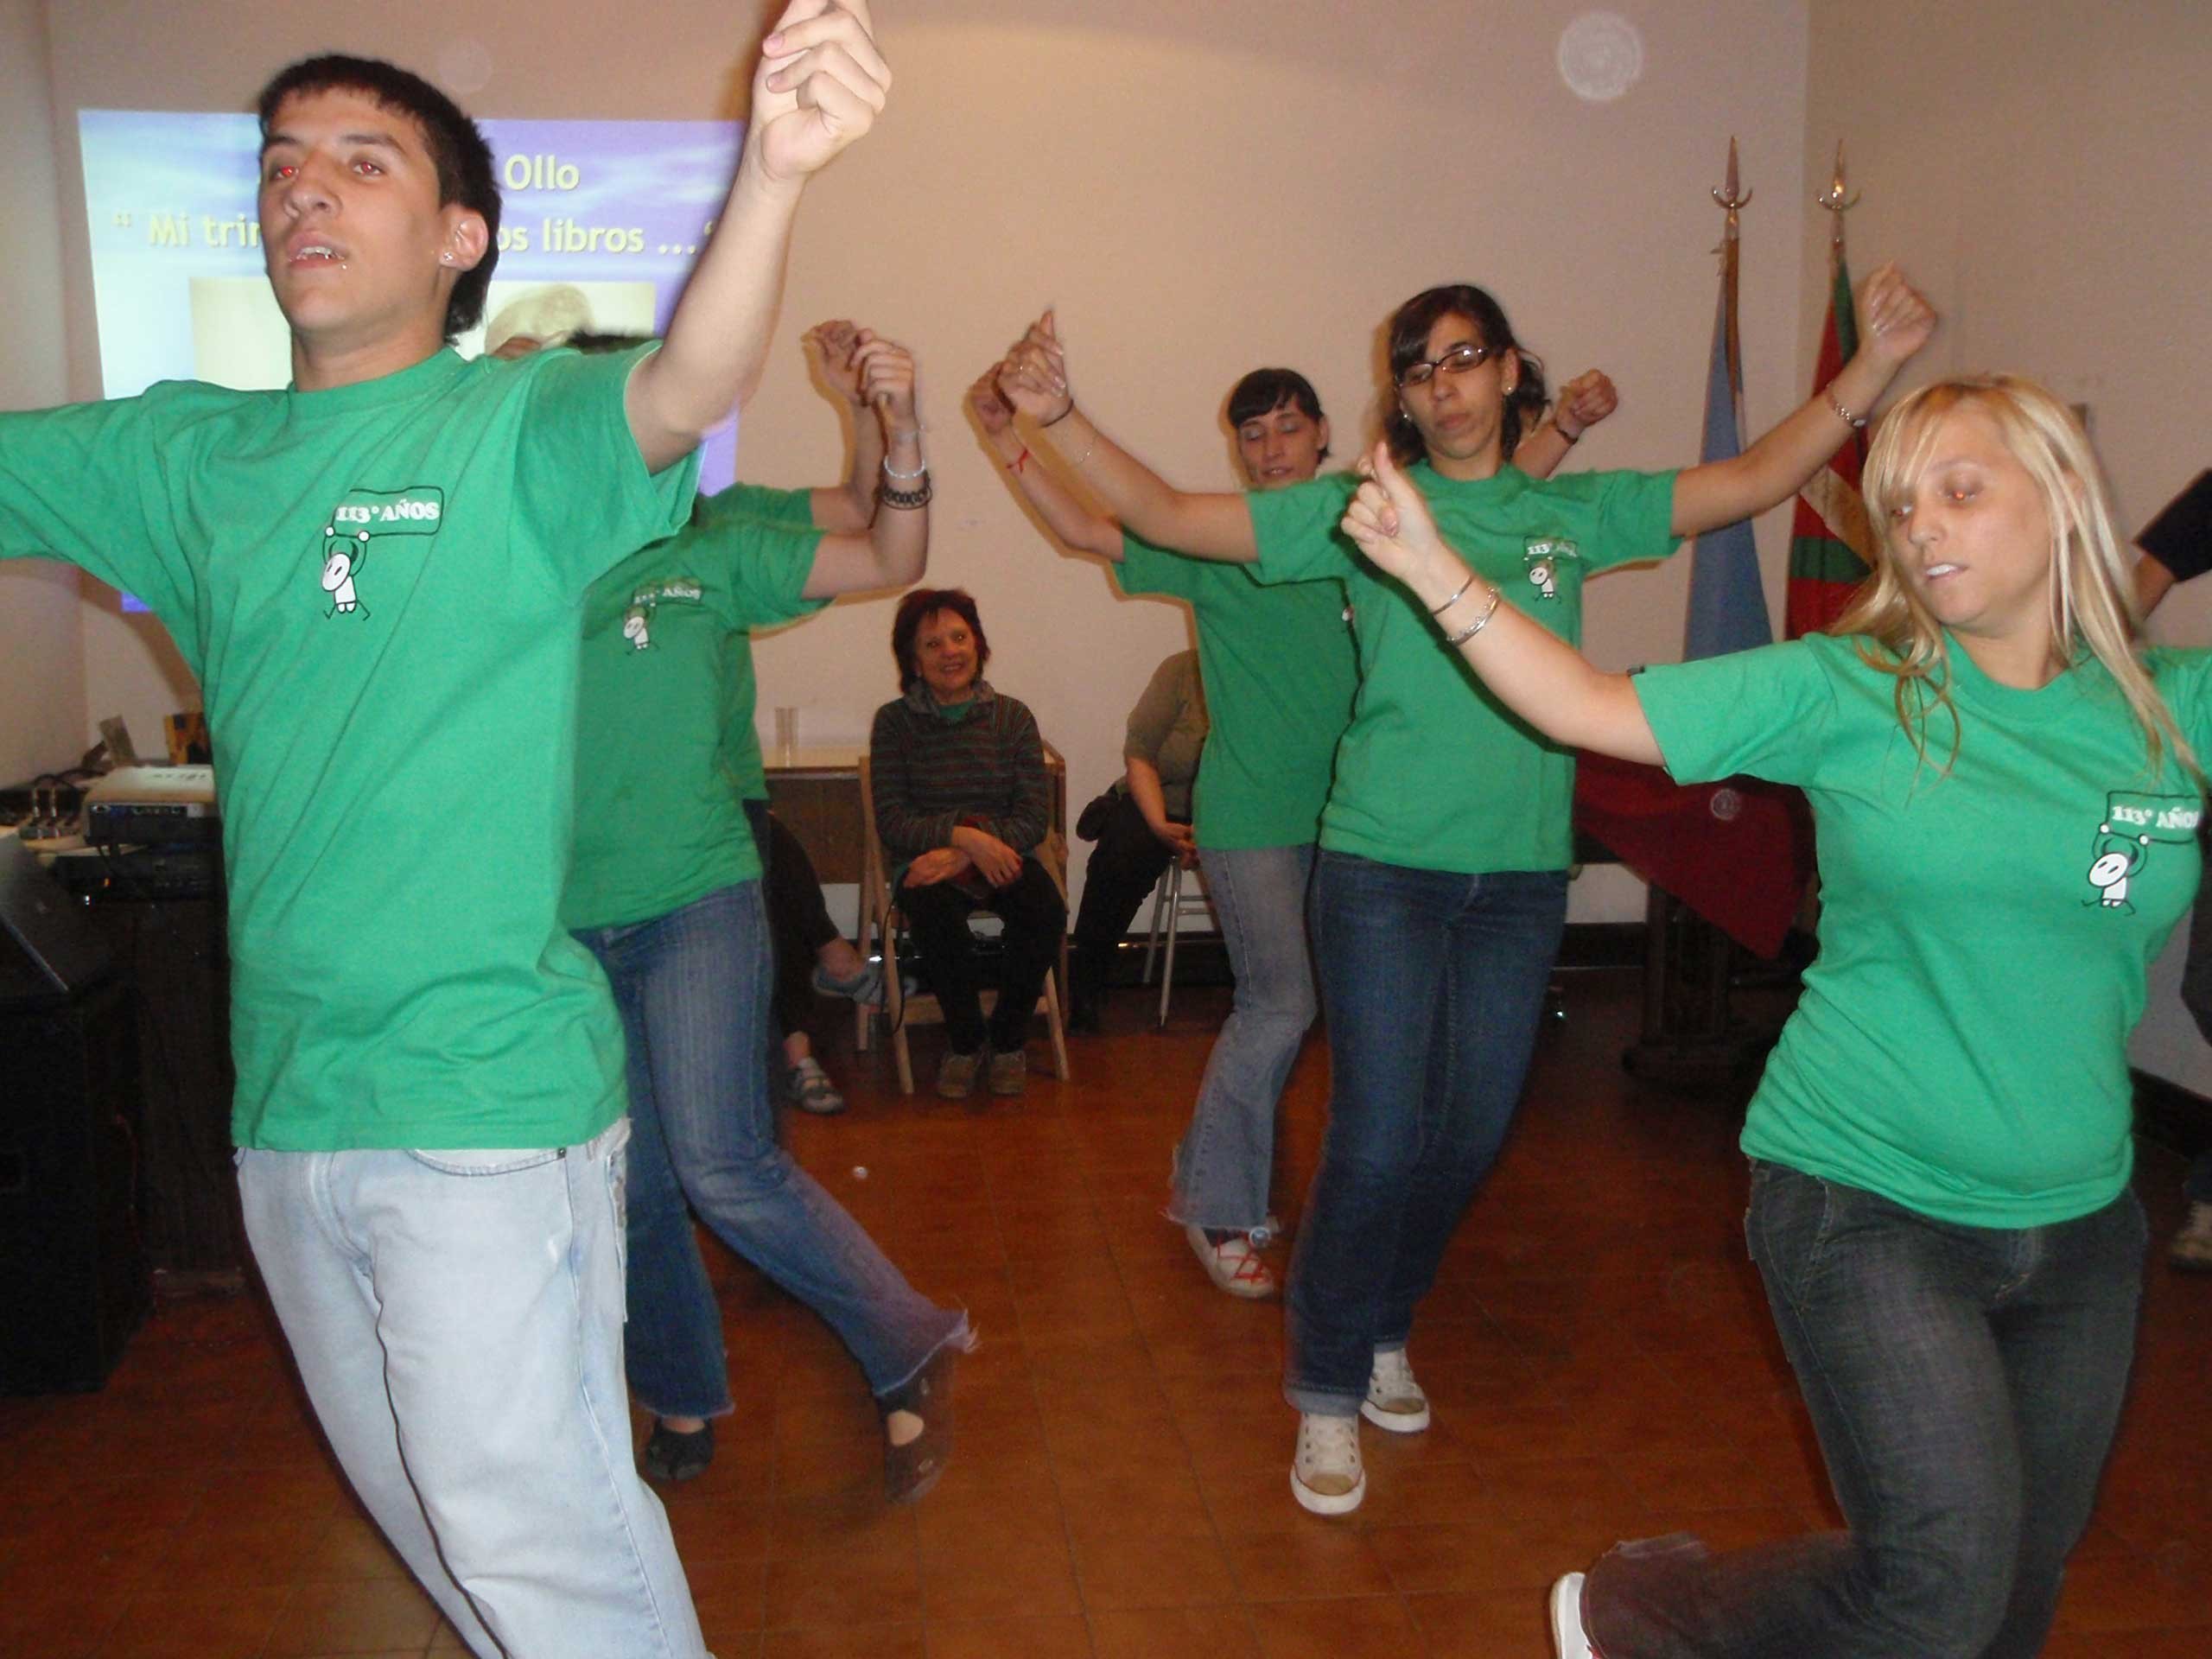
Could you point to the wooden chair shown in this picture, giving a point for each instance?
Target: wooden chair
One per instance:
(879, 922)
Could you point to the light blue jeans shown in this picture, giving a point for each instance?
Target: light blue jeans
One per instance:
(457, 1319)
(694, 988)
(1227, 1156)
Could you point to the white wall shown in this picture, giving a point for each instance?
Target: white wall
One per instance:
(2040, 166)
(1200, 189)
(42, 687)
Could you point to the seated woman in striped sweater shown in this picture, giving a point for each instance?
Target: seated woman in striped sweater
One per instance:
(962, 805)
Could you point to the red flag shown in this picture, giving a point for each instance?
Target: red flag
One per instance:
(1832, 543)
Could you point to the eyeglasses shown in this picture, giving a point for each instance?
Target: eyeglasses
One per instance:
(1457, 361)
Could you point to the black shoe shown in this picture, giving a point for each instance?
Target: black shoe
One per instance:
(672, 1458)
(1083, 1016)
(911, 1470)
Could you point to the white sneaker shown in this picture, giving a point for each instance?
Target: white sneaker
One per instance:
(1569, 1637)
(1394, 1400)
(1327, 1478)
(1234, 1265)
(2192, 1245)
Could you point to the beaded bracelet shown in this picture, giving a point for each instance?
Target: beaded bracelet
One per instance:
(1855, 422)
(907, 499)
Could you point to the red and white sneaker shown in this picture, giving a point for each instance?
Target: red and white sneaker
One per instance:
(1234, 1265)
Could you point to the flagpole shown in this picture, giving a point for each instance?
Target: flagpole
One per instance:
(1837, 201)
(1733, 199)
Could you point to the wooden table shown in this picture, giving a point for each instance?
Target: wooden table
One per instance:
(816, 790)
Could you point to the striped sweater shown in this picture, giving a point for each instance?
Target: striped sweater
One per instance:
(932, 774)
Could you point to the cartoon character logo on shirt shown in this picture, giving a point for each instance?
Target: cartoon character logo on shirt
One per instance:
(362, 518)
(1542, 559)
(638, 620)
(2133, 824)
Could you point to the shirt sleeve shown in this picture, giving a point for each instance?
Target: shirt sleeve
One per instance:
(580, 486)
(1153, 720)
(1765, 712)
(1296, 530)
(767, 567)
(1146, 570)
(2180, 537)
(84, 483)
(1635, 521)
(785, 509)
(1023, 826)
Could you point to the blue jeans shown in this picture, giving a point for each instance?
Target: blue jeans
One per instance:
(1227, 1156)
(457, 1319)
(1965, 1382)
(694, 988)
(1432, 984)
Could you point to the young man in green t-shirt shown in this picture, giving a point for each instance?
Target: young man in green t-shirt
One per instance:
(378, 576)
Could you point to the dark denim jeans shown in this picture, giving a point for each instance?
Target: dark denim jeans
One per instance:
(693, 989)
(1432, 984)
(1965, 1382)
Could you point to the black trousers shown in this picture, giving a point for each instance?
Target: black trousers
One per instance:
(1123, 870)
(798, 919)
(1035, 916)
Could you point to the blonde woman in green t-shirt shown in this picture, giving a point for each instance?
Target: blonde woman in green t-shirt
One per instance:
(1440, 891)
(2007, 795)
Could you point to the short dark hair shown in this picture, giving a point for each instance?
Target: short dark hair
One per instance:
(457, 147)
(1265, 391)
(1407, 333)
(916, 608)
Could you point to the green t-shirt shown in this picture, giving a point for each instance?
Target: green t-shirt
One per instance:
(1961, 1045)
(1279, 673)
(379, 588)
(786, 510)
(1434, 773)
(658, 824)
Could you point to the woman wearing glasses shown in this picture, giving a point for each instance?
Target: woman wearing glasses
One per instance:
(1441, 888)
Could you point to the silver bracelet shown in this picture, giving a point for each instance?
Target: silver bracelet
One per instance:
(889, 471)
(1855, 422)
(1480, 622)
(1454, 599)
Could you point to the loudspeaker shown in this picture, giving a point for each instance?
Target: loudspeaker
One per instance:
(74, 1283)
(47, 950)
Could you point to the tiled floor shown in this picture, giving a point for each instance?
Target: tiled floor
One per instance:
(1596, 1350)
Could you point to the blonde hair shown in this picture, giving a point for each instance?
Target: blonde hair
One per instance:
(2092, 595)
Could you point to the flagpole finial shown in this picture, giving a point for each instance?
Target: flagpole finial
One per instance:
(1836, 199)
(1729, 196)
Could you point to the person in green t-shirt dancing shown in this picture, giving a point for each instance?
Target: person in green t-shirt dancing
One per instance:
(2007, 794)
(376, 575)
(1440, 892)
(1280, 670)
(665, 891)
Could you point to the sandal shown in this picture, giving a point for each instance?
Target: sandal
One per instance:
(909, 1470)
(673, 1457)
(807, 1086)
(866, 986)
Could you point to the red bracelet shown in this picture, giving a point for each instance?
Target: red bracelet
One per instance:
(1019, 460)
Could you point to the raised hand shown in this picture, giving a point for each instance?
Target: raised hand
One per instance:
(1583, 402)
(1895, 318)
(886, 372)
(1035, 376)
(820, 85)
(830, 347)
(993, 413)
(1389, 520)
